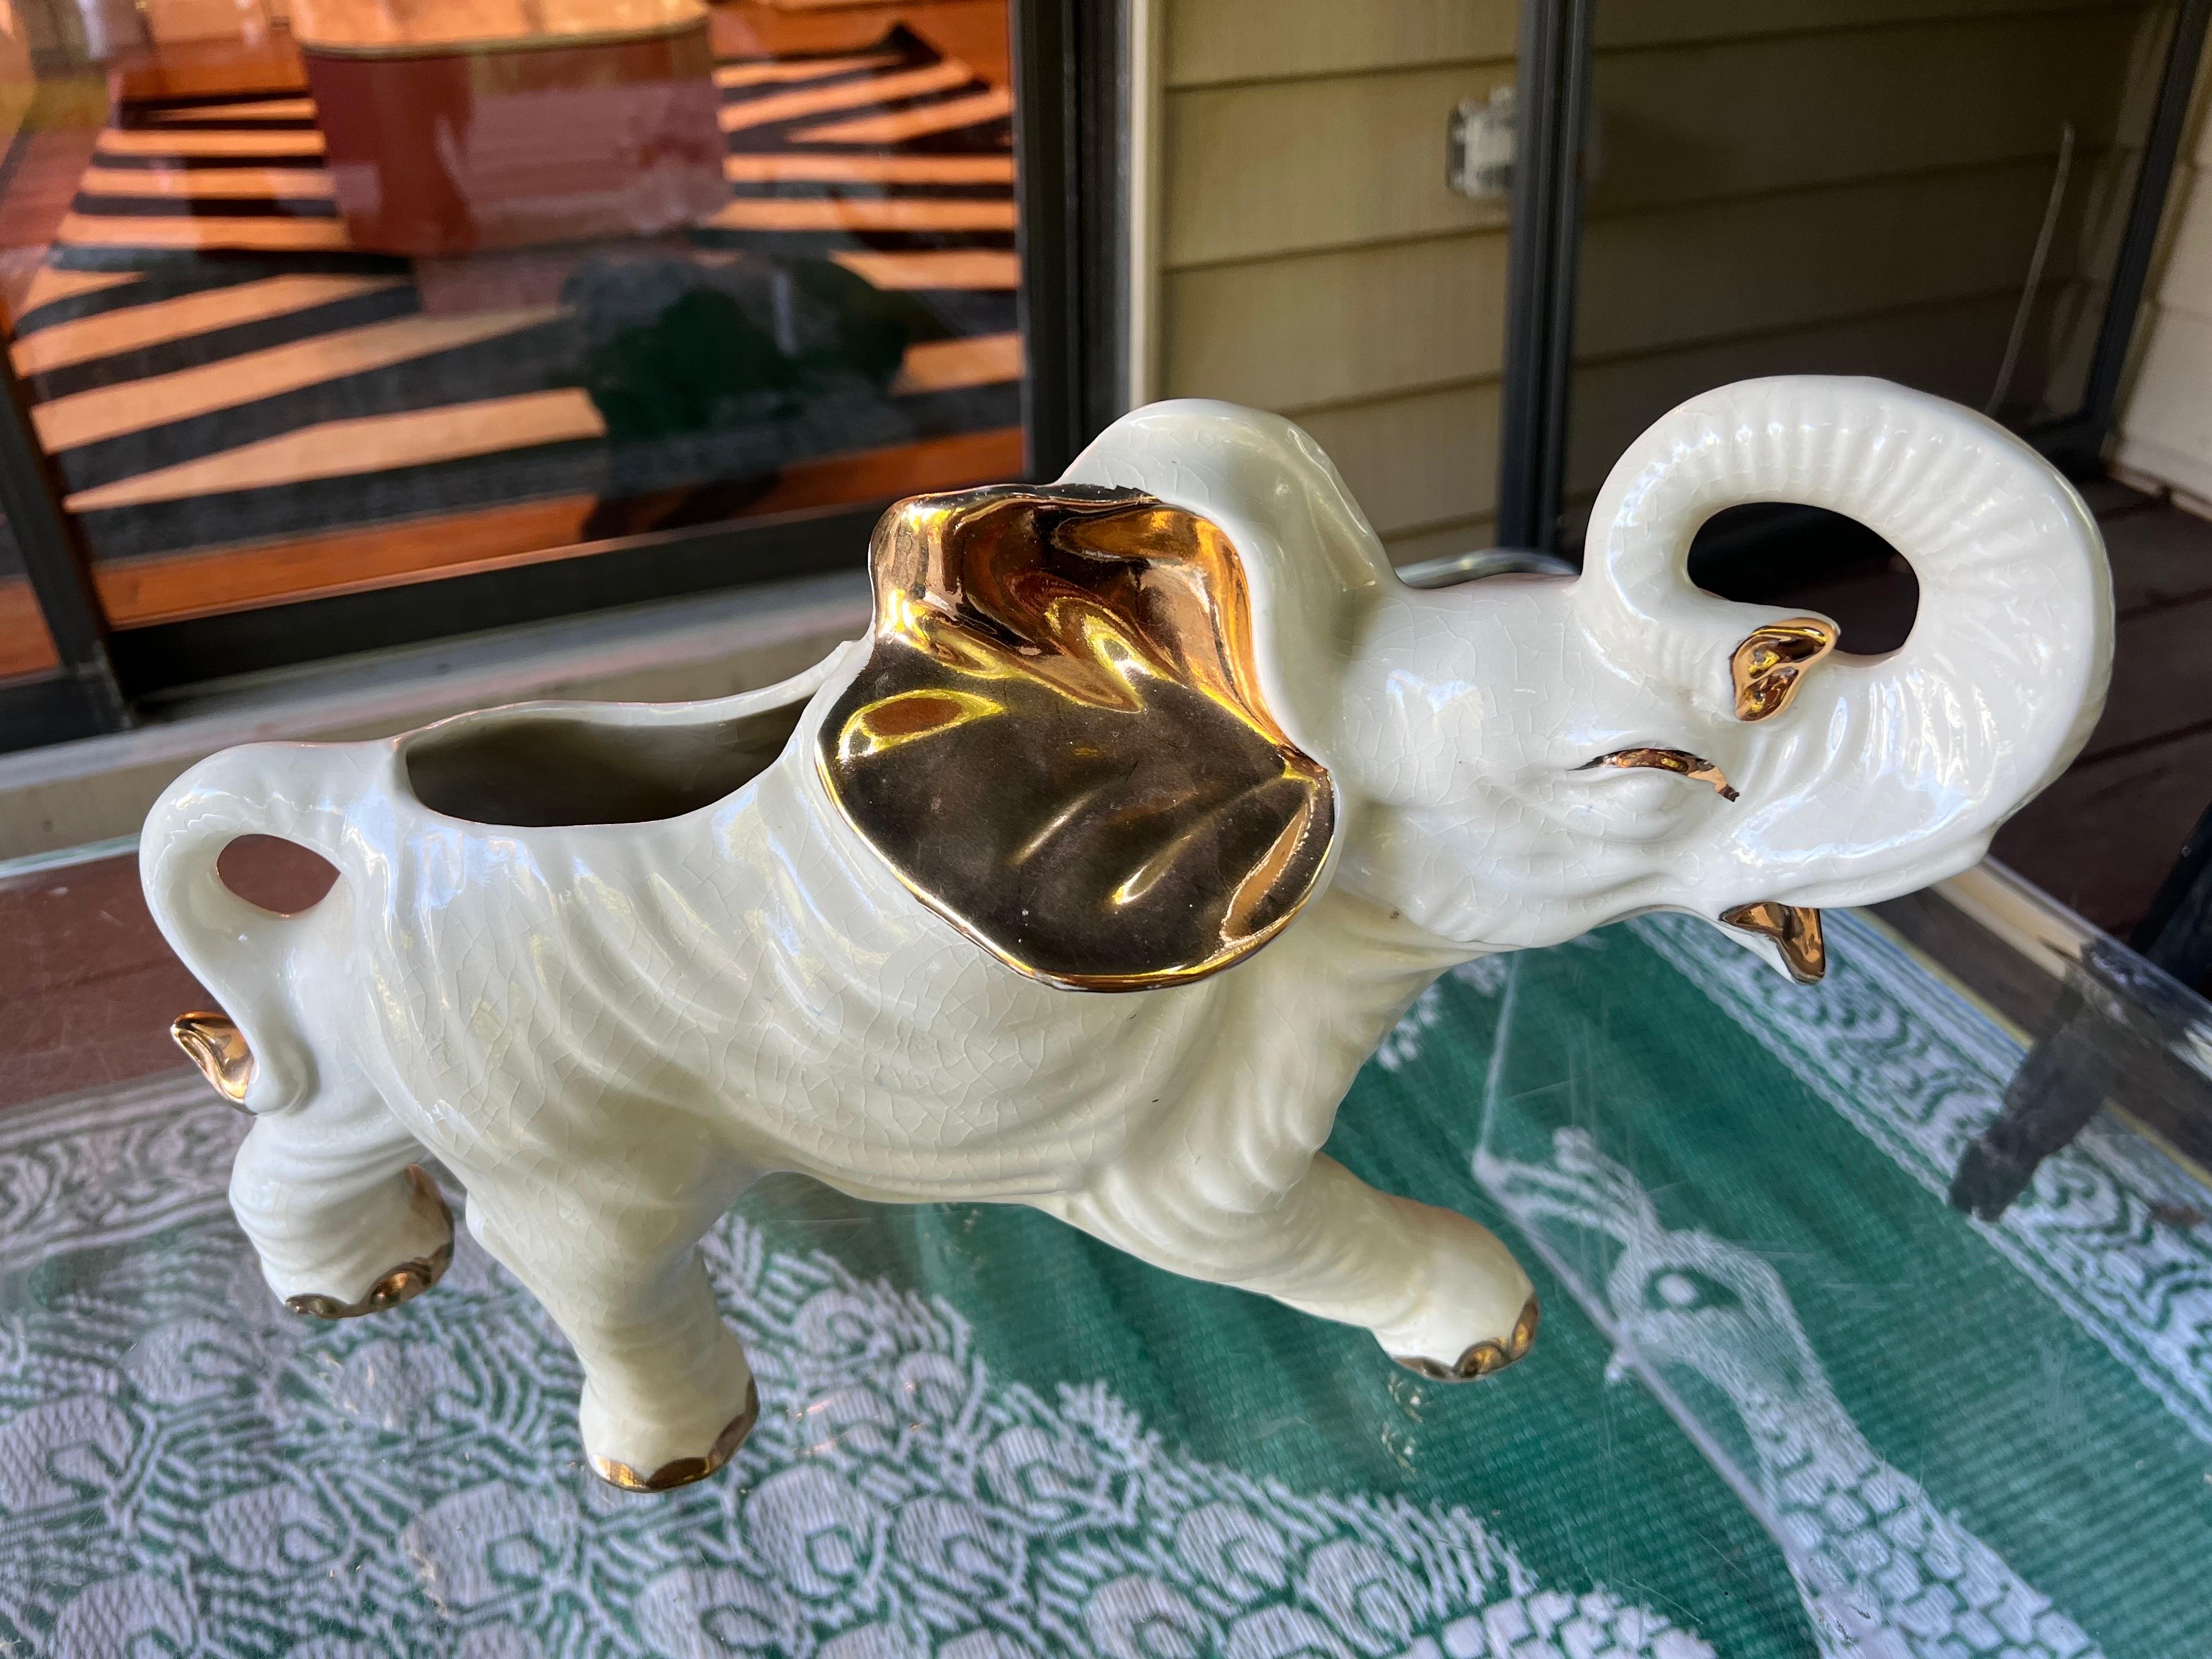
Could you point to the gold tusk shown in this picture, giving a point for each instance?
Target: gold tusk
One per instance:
(1680, 761)
(1795, 928)
(218, 1048)
(1768, 665)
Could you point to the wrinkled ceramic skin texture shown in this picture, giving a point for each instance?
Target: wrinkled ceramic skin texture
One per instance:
(608, 1032)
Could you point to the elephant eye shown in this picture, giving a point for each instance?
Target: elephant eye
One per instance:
(1680, 761)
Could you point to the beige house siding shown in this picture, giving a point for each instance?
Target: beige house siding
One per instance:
(1844, 184)
(1312, 260)
(2166, 418)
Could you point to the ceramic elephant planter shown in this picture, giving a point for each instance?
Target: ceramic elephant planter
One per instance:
(1089, 879)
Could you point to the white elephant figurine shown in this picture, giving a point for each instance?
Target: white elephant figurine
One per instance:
(1091, 878)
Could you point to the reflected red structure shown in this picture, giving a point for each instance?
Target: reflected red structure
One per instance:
(455, 128)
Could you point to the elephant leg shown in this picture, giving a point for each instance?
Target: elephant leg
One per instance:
(1440, 1294)
(668, 1397)
(344, 1219)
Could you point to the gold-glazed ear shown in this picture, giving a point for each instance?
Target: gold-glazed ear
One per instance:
(1059, 744)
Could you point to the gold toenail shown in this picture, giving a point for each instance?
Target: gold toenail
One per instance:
(1485, 1358)
(401, 1284)
(683, 1471)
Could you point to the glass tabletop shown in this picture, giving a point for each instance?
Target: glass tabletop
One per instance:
(1786, 1399)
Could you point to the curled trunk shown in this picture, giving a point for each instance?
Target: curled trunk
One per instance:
(1886, 772)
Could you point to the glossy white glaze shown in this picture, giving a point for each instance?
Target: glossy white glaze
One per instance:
(609, 1031)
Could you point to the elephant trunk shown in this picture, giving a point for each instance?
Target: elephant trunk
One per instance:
(1884, 772)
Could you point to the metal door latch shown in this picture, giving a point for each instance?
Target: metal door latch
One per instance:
(1478, 150)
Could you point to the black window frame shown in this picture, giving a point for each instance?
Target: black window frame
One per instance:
(1552, 95)
(1071, 80)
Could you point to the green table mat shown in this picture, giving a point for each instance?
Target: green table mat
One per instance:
(1784, 1402)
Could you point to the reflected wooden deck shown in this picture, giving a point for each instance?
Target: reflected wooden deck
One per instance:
(936, 268)
(86, 417)
(257, 235)
(801, 167)
(247, 410)
(49, 284)
(184, 144)
(973, 29)
(807, 69)
(191, 184)
(172, 587)
(864, 213)
(26, 649)
(105, 334)
(367, 443)
(379, 443)
(898, 126)
(762, 110)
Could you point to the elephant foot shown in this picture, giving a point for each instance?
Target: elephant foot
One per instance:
(426, 1230)
(1470, 1310)
(1485, 1358)
(683, 1471)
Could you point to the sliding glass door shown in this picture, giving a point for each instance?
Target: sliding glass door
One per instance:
(1958, 198)
(340, 323)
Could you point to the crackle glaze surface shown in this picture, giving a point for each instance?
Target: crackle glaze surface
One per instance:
(608, 1030)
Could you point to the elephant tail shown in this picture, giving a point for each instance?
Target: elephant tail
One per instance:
(253, 1051)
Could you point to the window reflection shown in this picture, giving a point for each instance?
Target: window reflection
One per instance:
(314, 298)
(26, 649)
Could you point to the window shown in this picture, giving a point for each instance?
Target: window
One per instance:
(346, 322)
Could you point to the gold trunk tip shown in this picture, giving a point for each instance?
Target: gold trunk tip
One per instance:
(1793, 928)
(1767, 667)
(218, 1048)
